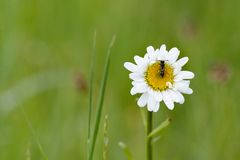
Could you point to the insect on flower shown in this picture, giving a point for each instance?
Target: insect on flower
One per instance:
(158, 76)
(162, 65)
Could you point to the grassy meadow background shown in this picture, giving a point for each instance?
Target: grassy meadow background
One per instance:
(45, 55)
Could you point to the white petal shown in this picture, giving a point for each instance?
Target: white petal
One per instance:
(146, 57)
(178, 65)
(141, 85)
(181, 62)
(181, 84)
(163, 48)
(142, 101)
(176, 96)
(186, 90)
(151, 91)
(130, 66)
(176, 70)
(152, 103)
(163, 57)
(152, 53)
(173, 95)
(162, 54)
(158, 96)
(184, 75)
(138, 89)
(183, 87)
(153, 56)
(139, 60)
(181, 98)
(157, 106)
(184, 82)
(136, 76)
(167, 100)
(187, 74)
(136, 83)
(133, 91)
(173, 55)
(143, 68)
(150, 49)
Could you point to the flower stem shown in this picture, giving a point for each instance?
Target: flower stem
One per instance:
(149, 139)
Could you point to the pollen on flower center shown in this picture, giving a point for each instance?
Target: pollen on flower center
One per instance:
(154, 78)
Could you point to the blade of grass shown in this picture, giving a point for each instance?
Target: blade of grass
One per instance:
(101, 98)
(34, 135)
(90, 89)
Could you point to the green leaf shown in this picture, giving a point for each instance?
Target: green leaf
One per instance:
(158, 130)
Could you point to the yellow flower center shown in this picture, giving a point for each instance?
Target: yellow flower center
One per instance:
(158, 75)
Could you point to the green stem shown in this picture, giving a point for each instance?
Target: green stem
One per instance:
(149, 139)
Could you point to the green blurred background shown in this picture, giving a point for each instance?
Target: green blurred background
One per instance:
(45, 50)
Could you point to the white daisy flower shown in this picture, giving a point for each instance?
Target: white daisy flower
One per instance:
(158, 76)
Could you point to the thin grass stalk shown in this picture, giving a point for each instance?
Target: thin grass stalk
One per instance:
(101, 98)
(91, 89)
(149, 139)
(44, 155)
(126, 150)
(105, 138)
